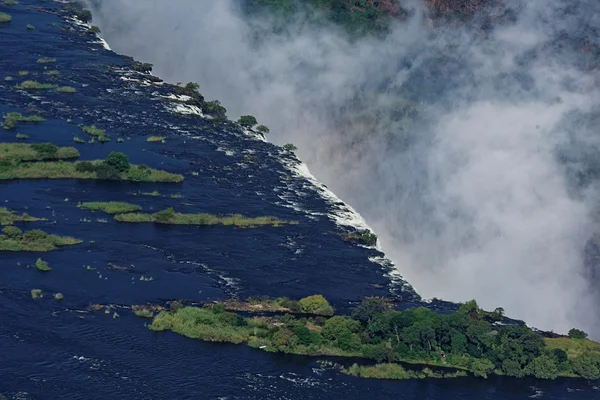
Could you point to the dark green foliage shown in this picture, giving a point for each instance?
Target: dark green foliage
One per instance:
(142, 67)
(315, 304)
(106, 172)
(85, 166)
(247, 121)
(194, 87)
(481, 367)
(118, 161)
(84, 15)
(215, 109)
(587, 366)
(543, 367)
(368, 308)
(263, 129)
(45, 150)
(12, 232)
(289, 147)
(512, 367)
(365, 237)
(164, 216)
(337, 326)
(577, 334)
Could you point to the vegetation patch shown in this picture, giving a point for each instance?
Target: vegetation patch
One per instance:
(30, 27)
(23, 73)
(36, 294)
(5, 18)
(13, 118)
(8, 217)
(14, 239)
(66, 89)
(365, 237)
(93, 130)
(169, 216)
(461, 341)
(58, 296)
(156, 139)
(22, 136)
(17, 152)
(46, 60)
(314, 305)
(35, 85)
(42, 265)
(110, 207)
(53, 72)
(115, 167)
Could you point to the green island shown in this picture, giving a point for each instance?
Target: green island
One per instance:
(110, 207)
(11, 119)
(169, 216)
(35, 152)
(415, 343)
(13, 165)
(8, 217)
(365, 237)
(14, 239)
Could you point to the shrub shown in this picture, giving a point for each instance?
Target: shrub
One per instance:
(58, 296)
(34, 235)
(164, 216)
(106, 172)
(84, 15)
(30, 27)
(85, 166)
(577, 334)
(289, 147)
(22, 136)
(66, 89)
(94, 29)
(36, 294)
(192, 86)
(12, 232)
(264, 130)
(316, 304)
(46, 150)
(247, 121)
(118, 161)
(46, 60)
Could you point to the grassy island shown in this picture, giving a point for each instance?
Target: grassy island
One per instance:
(35, 152)
(169, 216)
(13, 118)
(14, 239)
(110, 207)
(436, 345)
(8, 217)
(115, 167)
(365, 237)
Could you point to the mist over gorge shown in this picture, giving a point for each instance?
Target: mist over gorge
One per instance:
(468, 150)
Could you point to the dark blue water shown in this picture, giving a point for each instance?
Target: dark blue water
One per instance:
(52, 350)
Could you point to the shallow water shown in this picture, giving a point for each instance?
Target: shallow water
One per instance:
(54, 350)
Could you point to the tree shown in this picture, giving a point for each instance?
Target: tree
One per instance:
(106, 172)
(481, 367)
(46, 150)
(512, 367)
(287, 146)
(12, 232)
(164, 216)
(586, 367)
(264, 130)
(367, 309)
(471, 310)
(194, 87)
(458, 343)
(543, 367)
(338, 325)
(85, 166)
(577, 334)
(247, 121)
(118, 161)
(316, 304)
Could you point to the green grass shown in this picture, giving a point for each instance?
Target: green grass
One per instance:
(29, 152)
(169, 216)
(36, 294)
(156, 139)
(78, 140)
(46, 60)
(35, 85)
(8, 217)
(144, 313)
(13, 239)
(573, 347)
(22, 136)
(66, 89)
(5, 18)
(11, 119)
(42, 265)
(110, 207)
(67, 170)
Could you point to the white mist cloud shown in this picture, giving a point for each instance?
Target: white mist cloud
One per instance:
(469, 199)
